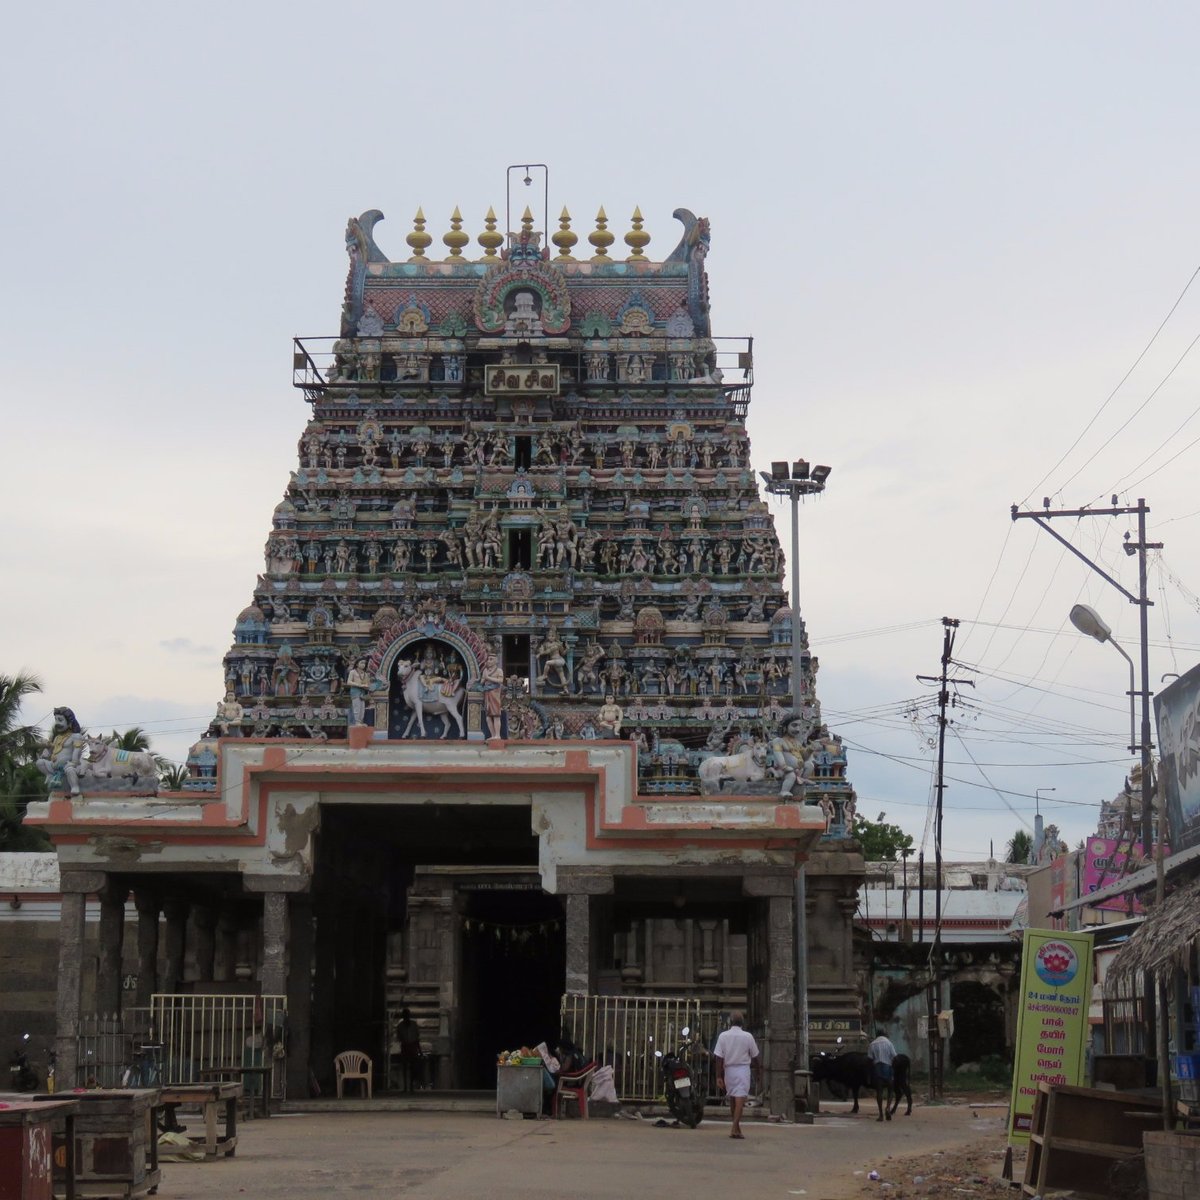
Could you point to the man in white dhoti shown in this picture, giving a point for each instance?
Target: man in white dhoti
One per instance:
(736, 1053)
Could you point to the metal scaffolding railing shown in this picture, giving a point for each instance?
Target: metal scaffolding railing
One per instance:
(388, 364)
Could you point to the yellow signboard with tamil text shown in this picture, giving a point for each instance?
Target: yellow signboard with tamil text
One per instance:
(1052, 1021)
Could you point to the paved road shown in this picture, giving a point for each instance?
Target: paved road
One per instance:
(452, 1156)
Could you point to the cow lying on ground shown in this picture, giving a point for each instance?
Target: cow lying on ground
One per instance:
(854, 1071)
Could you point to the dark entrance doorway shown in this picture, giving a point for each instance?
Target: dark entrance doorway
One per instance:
(513, 974)
(978, 1023)
(437, 908)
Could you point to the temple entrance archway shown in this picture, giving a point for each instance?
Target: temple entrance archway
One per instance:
(438, 908)
(513, 954)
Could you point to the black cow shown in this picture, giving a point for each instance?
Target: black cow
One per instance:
(855, 1071)
(901, 1086)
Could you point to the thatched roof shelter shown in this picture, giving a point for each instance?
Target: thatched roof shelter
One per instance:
(1164, 939)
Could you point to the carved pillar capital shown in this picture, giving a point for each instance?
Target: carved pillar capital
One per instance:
(75, 879)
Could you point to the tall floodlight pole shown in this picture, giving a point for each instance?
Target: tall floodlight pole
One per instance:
(797, 483)
(1141, 510)
(1037, 798)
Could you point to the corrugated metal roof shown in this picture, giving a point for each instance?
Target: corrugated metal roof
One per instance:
(888, 904)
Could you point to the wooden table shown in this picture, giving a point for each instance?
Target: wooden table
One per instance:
(114, 1140)
(27, 1147)
(215, 1074)
(209, 1097)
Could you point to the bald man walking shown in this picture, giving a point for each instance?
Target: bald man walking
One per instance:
(736, 1052)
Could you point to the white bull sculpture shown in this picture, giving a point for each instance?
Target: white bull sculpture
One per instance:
(749, 765)
(105, 760)
(422, 698)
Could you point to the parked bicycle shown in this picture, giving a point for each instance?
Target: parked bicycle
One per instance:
(145, 1071)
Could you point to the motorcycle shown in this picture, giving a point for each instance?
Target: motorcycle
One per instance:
(684, 1090)
(21, 1076)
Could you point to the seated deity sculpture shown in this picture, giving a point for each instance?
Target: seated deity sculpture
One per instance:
(523, 321)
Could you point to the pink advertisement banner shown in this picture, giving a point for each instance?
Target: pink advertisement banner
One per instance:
(1105, 861)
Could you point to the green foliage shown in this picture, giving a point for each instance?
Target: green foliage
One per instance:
(135, 738)
(880, 841)
(171, 777)
(993, 1074)
(1020, 846)
(18, 742)
(20, 780)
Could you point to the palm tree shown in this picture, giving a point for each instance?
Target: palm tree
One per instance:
(20, 783)
(20, 743)
(134, 738)
(20, 780)
(1020, 847)
(171, 776)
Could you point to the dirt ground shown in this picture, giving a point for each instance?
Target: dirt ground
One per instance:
(974, 1169)
(470, 1156)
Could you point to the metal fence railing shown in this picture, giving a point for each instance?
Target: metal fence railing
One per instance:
(180, 1037)
(107, 1045)
(625, 1031)
(200, 1034)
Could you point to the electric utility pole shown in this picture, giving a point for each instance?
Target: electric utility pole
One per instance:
(945, 683)
(1141, 510)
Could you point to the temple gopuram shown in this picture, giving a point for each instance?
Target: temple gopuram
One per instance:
(508, 732)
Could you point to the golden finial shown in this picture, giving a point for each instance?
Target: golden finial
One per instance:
(456, 239)
(527, 223)
(489, 239)
(601, 238)
(637, 238)
(418, 239)
(565, 238)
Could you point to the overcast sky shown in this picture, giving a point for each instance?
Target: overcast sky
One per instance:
(952, 229)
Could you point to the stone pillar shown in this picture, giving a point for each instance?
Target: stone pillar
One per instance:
(147, 943)
(779, 1021)
(226, 952)
(275, 943)
(176, 912)
(204, 925)
(112, 945)
(74, 886)
(323, 1004)
(447, 913)
(578, 887)
(299, 994)
(579, 944)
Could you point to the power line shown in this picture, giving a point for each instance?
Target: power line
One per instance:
(1083, 433)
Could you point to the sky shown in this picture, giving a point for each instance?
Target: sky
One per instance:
(962, 236)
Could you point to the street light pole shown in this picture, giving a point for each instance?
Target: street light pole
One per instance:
(799, 482)
(1141, 510)
(1037, 799)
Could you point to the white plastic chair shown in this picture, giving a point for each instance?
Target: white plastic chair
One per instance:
(352, 1064)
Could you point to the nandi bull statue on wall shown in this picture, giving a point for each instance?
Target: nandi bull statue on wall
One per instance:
(74, 762)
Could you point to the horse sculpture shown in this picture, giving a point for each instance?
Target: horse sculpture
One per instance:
(422, 698)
